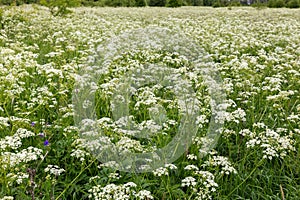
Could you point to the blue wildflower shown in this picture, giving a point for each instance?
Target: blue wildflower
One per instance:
(46, 143)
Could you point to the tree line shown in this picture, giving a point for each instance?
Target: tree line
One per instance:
(159, 3)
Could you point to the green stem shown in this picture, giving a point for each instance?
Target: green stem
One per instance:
(74, 180)
(261, 162)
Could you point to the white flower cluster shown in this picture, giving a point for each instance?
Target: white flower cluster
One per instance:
(4, 122)
(54, 169)
(164, 171)
(114, 176)
(93, 178)
(209, 184)
(119, 192)
(202, 183)
(201, 120)
(161, 171)
(18, 177)
(188, 182)
(14, 141)
(246, 133)
(273, 143)
(282, 95)
(80, 154)
(127, 144)
(293, 118)
(7, 198)
(191, 157)
(237, 116)
(222, 162)
(10, 159)
(110, 164)
(273, 83)
(191, 168)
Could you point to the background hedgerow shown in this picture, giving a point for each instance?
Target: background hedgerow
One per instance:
(60, 7)
(42, 155)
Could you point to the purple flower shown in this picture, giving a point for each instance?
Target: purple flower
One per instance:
(32, 123)
(41, 134)
(46, 143)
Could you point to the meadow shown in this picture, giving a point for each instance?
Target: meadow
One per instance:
(44, 60)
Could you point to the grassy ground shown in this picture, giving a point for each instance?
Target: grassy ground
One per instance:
(43, 154)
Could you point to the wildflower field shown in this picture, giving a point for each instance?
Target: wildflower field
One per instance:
(218, 87)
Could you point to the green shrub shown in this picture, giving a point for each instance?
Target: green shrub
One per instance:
(157, 2)
(17, 2)
(120, 3)
(217, 4)
(259, 5)
(8, 2)
(210, 2)
(293, 4)
(93, 3)
(174, 3)
(234, 3)
(197, 3)
(276, 3)
(140, 3)
(220, 3)
(60, 7)
(1, 18)
(115, 3)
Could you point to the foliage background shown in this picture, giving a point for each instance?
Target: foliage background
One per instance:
(167, 3)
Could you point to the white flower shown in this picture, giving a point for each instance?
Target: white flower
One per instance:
(114, 176)
(191, 168)
(222, 162)
(188, 181)
(54, 169)
(17, 177)
(170, 166)
(191, 157)
(10, 159)
(7, 198)
(112, 191)
(144, 194)
(161, 171)
(78, 153)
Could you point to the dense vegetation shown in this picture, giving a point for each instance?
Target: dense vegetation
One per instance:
(43, 151)
(167, 3)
